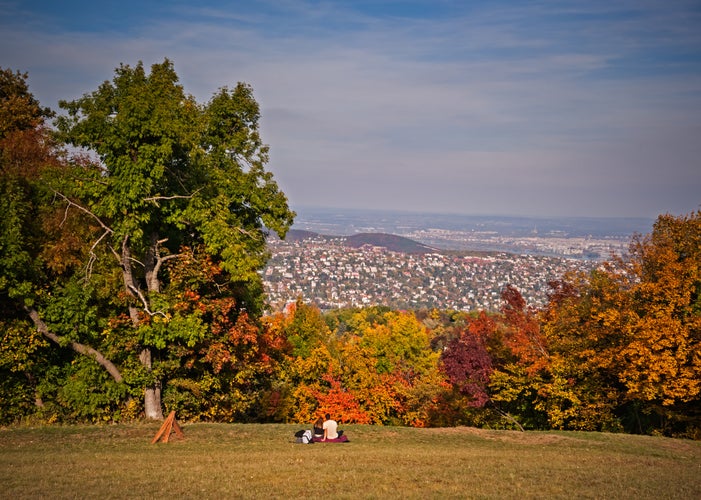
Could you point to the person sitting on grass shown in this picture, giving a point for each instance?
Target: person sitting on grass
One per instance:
(319, 428)
(330, 428)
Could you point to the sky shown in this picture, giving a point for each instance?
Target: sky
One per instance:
(544, 108)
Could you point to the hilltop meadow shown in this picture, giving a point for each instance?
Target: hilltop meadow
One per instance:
(262, 460)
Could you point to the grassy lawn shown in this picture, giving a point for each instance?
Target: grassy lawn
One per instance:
(262, 461)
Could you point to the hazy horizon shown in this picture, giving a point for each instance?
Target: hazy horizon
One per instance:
(331, 221)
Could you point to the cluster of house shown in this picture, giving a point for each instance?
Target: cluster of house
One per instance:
(331, 275)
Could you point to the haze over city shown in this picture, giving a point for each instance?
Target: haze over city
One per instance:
(537, 109)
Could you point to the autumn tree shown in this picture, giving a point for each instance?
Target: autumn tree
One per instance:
(581, 390)
(224, 369)
(371, 365)
(628, 335)
(26, 149)
(389, 364)
(19, 110)
(303, 373)
(657, 312)
(663, 321)
(466, 361)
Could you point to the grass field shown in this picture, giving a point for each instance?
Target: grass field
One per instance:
(262, 461)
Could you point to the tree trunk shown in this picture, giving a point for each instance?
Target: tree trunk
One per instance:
(152, 402)
(38, 402)
(152, 393)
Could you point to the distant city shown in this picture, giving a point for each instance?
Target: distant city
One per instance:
(467, 262)
(559, 236)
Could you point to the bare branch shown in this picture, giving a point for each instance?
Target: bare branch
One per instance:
(116, 255)
(144, 302)
(507, 416)
(137, 261)
(107, 230)
(156, 199)
(156, 260)
(71, 203)
(93, 255)
(160, 260)
(65, 215)
(247, 233)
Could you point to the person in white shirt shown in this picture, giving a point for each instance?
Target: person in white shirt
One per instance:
(330, 428)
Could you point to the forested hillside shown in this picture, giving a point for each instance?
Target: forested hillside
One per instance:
(130, 286)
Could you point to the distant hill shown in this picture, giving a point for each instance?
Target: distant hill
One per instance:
(391, 242)
(299, 235)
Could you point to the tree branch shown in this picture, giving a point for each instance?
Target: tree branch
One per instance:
(131, 285)
(161, 260)
(85, 210)
(158, 260)
(93, 255)
(156, 199)
(76, 346)
(507, 416)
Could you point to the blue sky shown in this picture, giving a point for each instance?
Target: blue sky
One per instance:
(544, 108)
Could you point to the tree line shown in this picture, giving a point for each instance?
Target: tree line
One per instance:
(134, 228)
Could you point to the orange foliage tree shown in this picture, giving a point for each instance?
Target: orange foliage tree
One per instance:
(306, 361)
(225, 357)
(376, 366)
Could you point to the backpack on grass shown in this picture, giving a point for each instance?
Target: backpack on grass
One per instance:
(304, 437)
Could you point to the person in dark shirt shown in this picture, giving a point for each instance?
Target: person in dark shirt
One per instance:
(319, 428)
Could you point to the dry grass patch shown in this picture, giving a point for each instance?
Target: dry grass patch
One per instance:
(262, 461)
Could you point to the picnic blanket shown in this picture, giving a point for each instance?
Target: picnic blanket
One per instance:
(339, 439)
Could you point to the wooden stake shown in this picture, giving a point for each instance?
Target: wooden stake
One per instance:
(167, 428)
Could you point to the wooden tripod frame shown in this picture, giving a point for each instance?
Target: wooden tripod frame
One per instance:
(167, 428)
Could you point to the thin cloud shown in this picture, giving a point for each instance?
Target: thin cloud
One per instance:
(533, 109)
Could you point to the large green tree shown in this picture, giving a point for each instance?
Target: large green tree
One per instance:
(164, 175)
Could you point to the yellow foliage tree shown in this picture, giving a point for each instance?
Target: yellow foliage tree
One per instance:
(661, 325)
